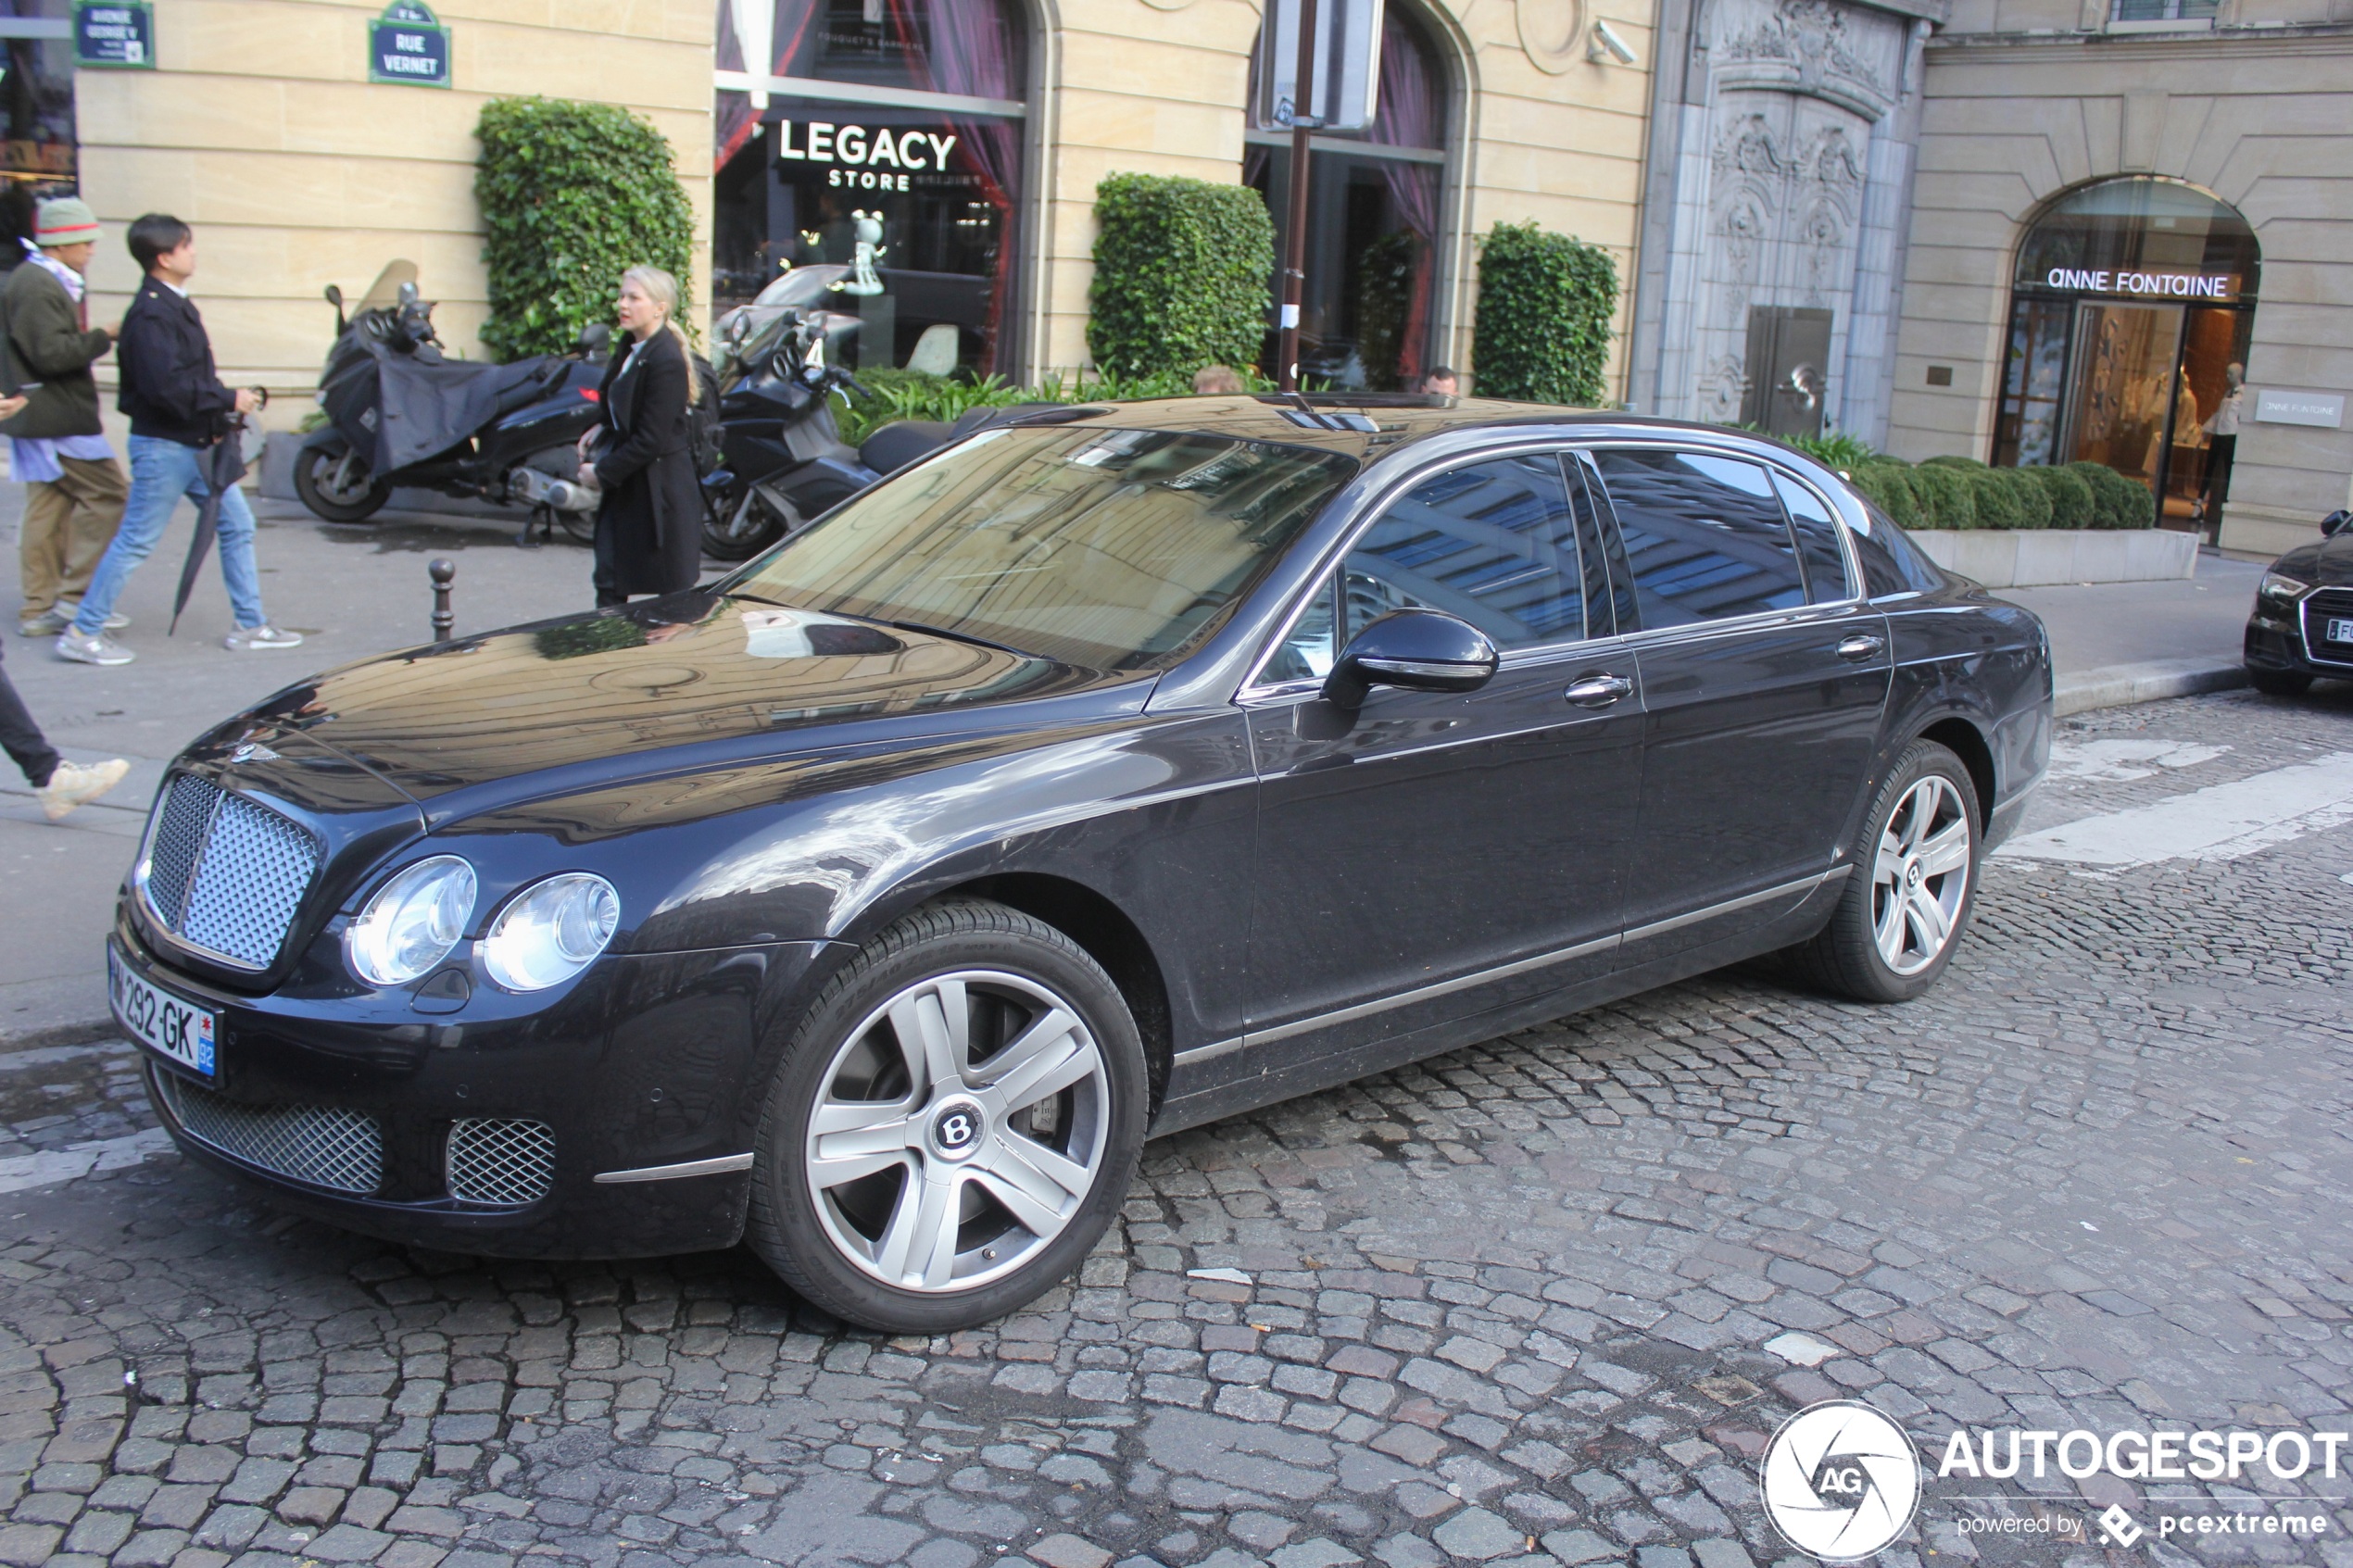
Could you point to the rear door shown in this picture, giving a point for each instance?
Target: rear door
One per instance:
(1764, 677)
(1432, 855)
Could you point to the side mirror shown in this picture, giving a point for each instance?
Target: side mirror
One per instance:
(334, 296)
(407, 294)
(2335, 523)
(1415, 650)
(595, 338)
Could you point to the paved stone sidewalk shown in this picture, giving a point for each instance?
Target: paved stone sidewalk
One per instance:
(1540, 1301)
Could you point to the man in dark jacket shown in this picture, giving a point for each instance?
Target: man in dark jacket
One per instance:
(179, 409)
(73, 489)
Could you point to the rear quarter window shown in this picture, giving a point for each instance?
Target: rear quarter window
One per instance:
(1892, 563)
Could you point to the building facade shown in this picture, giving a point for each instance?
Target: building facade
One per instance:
(2128, 244)
(959, 141)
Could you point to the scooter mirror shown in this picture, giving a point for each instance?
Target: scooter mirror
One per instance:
(408, 294)
(595, 338)
(334, 296)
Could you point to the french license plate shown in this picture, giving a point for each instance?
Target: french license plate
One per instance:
(2340, 631)
(180, 1030)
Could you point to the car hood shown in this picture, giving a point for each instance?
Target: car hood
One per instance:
(703, 680)
(2327, 563)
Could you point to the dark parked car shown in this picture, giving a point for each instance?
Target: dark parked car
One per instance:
(2302, 625)
(1098, 776)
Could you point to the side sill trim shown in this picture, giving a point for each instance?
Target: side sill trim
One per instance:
(720, 1166)
(1502, 971)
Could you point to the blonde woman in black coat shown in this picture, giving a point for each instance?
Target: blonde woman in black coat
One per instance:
(650, 526)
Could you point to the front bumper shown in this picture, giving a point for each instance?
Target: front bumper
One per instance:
(2278, 644)
(647, 1061)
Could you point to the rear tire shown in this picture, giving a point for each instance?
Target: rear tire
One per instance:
(1907, 900)
(335, 485)
(739, 524)
(2279, 683)
(953, 1127)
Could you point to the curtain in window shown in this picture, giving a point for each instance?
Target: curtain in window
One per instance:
(1406, 115)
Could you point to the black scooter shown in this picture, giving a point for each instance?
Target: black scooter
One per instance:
(784, 462)
(402, 414)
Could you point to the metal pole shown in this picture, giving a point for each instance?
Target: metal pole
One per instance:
(445, 620)
(1295, 233)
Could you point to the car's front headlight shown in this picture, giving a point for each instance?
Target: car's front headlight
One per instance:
(551, 931)
(412, 923)
(2280, 588)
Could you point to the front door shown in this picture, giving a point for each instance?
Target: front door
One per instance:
(1762, 700)
(1412, 849)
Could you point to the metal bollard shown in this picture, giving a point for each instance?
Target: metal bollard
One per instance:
(445, 620)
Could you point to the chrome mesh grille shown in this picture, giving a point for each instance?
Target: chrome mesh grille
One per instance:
(2319, 608)
(226, 874)
(500, 1160)
(327, 1147)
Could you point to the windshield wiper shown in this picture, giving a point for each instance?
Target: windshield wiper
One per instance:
(953, 636)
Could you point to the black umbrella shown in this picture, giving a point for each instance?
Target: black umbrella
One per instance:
(225, 464)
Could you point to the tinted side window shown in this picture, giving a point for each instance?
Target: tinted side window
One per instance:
(1704, 534)
(1494, 543)
(1892, 563)
(1817, 542)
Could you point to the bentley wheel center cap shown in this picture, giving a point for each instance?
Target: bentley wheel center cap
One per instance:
(1912, 873)
(956, 1127)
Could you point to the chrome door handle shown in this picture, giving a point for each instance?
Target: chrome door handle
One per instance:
(1861, 646)
(1599, 691)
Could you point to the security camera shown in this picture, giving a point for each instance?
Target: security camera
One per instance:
(1606, 44)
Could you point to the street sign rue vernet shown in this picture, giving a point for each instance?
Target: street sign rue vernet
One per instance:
(408, 45)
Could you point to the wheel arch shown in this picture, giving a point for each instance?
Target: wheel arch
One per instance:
(1962, 738)
(1102, 929)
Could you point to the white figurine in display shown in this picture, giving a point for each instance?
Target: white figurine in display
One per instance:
(864, 280)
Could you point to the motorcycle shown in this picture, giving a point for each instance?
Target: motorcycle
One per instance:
(785, 463)
(400, 413)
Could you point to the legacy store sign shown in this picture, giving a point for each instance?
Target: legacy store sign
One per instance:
(865, 159)
(2222, 287)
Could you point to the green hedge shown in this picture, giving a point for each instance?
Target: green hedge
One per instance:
(572, 195)
(1545, 302)
(1181, 269)
(2116, 502)
(1889, 483)
(1961, 492)
(2071, 493)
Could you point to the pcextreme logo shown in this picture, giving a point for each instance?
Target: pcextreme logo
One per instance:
(1840, 1481)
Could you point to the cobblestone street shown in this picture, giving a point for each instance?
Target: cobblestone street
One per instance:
(1539, 1300)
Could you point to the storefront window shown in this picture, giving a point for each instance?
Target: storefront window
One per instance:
(1367, 314)
(880, 183)
(38, 91)
(2131, 314)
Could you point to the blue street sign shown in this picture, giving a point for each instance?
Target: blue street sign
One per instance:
(408, 44)
(118, 35)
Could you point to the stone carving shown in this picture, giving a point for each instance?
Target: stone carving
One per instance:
(1814, 40)
(1551, 33)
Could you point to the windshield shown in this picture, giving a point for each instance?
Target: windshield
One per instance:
(1110, 549)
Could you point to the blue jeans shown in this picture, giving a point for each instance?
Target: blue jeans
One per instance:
(162, 472)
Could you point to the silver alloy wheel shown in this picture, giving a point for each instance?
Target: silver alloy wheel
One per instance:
(1921, 875)
(958, 1131)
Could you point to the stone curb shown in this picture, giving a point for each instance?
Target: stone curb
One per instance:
(2120, 686)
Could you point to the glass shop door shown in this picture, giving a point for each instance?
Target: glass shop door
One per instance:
(2120, 407)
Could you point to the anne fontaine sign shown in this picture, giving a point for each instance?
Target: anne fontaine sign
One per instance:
(2219, 286)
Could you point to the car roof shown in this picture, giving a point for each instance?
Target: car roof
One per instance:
(1362, 425)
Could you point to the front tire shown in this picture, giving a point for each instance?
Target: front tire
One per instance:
(334, 482)
(2279, 683)
(952, 1128)
(1908, 898)
(740, 522)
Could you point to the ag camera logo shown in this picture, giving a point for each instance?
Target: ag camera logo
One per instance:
(1840, 1481)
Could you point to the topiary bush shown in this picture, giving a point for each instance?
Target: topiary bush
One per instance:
(2070, 497)
(2116, 502)
(1888, 483)
(1545, 302)
(572, 195)
(1947, 497)
(1951, 460)
(2008, 498)
(1181, 268)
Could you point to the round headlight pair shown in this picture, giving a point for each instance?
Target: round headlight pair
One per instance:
(544, 936)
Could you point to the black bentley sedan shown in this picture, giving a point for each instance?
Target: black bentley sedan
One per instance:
(2302, 625)
(1106, 772)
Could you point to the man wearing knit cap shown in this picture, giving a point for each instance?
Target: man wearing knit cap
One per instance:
(74, 490)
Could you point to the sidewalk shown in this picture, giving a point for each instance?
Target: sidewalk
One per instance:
(356, 591)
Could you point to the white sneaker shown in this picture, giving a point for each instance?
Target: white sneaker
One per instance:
(95, 648)
(48, 623)
(262, 636)
(77, 784)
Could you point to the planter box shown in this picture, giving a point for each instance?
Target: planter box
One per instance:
(2030, 557)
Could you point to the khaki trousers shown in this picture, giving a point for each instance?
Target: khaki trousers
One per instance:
(69, 522)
